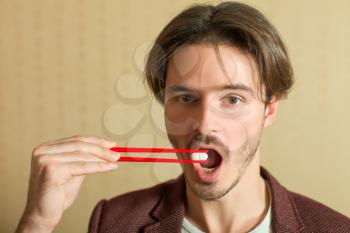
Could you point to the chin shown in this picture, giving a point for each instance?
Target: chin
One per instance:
(210, 190)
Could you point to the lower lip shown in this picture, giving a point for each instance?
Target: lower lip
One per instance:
(207, 176)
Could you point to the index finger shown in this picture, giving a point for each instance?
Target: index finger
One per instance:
(89, 139)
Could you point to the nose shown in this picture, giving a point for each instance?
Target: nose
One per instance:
(206, 121)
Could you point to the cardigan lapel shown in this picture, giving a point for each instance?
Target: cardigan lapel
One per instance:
(285, 216)
(170, 211)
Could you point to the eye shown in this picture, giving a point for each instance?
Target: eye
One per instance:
(232, 100)
(186, 98)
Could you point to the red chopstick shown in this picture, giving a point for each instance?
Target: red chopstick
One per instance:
(159, 160)
(156, 150)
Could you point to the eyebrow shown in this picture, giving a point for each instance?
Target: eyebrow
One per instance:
(236, 86)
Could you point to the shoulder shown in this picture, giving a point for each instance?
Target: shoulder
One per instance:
(293, 212)
(321, 217)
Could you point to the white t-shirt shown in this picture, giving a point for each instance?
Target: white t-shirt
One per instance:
(264, 227)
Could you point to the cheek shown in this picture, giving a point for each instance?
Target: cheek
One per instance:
(239, 130)
(235, 134)
(177, 124)
(172, 113)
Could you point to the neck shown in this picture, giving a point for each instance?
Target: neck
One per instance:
(240, 210)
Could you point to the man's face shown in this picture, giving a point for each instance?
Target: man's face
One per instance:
(210, 106)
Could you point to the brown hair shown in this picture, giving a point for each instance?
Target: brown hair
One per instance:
(235, 23)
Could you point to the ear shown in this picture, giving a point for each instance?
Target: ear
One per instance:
(271, 111)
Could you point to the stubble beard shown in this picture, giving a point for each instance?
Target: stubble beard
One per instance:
(211, 191)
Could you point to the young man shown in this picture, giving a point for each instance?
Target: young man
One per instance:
(219, 72)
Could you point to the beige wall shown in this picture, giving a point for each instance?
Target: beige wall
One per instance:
(66, 67)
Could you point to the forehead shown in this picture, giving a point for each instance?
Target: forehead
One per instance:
(197, 66)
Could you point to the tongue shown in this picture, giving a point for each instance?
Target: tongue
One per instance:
(213, 160)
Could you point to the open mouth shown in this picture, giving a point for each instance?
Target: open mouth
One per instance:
(214, 160)
(209, 171)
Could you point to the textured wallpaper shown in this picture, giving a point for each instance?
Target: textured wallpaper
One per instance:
(75, 67)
